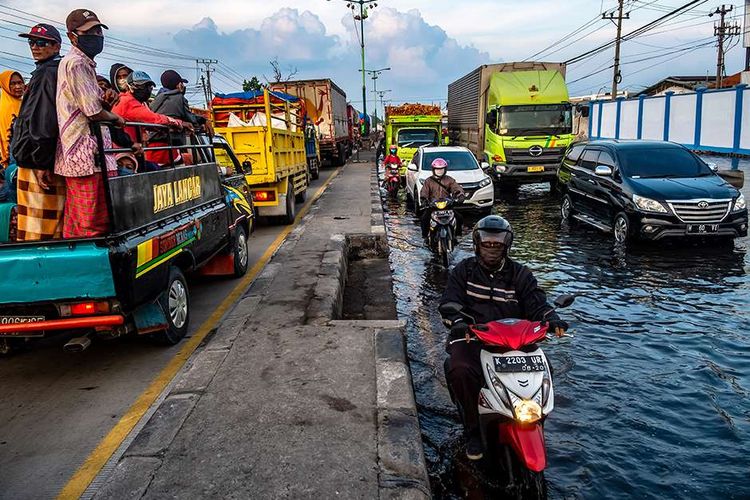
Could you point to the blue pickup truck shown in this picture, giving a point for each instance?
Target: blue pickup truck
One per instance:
(163, 225)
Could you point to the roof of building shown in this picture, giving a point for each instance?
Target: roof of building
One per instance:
(689, 82)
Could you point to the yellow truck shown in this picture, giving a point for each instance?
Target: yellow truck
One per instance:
(409, 126)
(265, 130)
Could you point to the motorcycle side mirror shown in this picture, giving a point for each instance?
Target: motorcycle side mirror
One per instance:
(564, 301)
(450, 308)
(412, 167)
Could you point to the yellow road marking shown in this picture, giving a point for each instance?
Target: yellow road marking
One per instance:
(112, 441)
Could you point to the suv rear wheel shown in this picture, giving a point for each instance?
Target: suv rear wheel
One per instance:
(566, 208)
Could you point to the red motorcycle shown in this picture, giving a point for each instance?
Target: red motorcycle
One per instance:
(392, 179)
(516, 398)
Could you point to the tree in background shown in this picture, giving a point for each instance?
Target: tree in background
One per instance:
(252, 84)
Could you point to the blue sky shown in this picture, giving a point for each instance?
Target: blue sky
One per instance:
(427, 43)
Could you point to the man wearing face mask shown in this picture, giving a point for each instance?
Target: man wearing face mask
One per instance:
(79, 102)
(490, 286)
(133, 108)
(171, 101)
(118, 77)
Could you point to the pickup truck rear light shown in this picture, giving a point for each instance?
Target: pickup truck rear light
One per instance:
(84, 308)
(261, 196)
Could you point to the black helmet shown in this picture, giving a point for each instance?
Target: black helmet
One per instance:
(489, 230)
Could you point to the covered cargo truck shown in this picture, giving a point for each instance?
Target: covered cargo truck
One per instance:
(410, 126)
(325, 103)
(514, 116)
(274, 147)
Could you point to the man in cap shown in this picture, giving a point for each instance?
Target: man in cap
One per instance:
(171, 101)
(79, 102)
(132, 107)
(41, 193)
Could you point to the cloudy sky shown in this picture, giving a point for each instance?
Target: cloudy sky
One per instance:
(427, 43)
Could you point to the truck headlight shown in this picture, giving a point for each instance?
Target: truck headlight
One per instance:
(648, 205)
(500, 168)
(739, 203)
(527, 411)
(487, 181)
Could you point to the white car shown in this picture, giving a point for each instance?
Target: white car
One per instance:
(462, 166)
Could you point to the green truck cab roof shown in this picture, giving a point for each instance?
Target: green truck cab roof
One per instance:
(526, 87)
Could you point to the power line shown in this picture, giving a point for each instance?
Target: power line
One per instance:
(638, 31)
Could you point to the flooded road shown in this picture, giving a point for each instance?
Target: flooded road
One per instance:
(652, 388)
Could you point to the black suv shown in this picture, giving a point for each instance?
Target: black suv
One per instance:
(649, 190)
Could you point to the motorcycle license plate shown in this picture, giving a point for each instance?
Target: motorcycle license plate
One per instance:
(518, 364)
(442, 213)
(702, 228)
(535, 168)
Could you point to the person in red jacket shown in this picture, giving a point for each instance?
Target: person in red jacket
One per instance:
(392, 157)
(132, 107)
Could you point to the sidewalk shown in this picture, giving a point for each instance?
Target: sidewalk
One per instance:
(283, 402)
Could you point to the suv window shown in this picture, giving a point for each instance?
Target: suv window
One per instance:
(574, 153)
(589, 159)
(606, 159)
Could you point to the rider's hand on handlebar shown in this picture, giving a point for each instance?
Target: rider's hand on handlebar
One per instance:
(558, 326)
(459, 330)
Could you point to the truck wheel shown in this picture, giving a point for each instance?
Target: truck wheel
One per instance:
(341, 160)
(315, 170)
(291, 213)
(175, 301)
(301, 197)
(241, 257)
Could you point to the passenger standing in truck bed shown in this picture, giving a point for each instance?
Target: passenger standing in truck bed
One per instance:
(41, 193)
(78, 104)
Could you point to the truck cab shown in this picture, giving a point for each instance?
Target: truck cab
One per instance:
(411, 126)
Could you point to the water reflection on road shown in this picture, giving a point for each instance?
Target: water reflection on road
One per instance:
(652, 389)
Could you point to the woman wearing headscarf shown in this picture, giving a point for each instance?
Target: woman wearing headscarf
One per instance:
(12, 86)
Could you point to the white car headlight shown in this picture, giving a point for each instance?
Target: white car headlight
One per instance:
(485, 182)
(648, 205)
(739, 203)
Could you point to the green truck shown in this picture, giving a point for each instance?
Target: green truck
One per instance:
(515, 117)
(410, 126)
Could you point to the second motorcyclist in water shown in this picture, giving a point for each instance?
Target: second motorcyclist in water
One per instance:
(439, 186)
(490, 286)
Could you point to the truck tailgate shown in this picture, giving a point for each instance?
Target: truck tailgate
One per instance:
(59, 270)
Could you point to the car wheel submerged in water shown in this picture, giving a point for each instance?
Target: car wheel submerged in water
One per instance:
(621, 228)
(566, 208)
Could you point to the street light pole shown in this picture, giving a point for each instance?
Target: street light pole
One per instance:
(375, 74)
(351, 4)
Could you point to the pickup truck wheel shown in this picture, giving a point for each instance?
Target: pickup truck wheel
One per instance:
(241, 256)
(291, 213)
(175, 302)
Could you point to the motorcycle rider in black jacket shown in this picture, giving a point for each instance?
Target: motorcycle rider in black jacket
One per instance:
(490, 286)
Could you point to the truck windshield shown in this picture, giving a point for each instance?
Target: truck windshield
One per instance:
(540, 118)
(641, 163)
(457, 160)
(415, 137)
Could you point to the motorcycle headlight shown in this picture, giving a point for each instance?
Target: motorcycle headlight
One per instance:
(440, 205)
(527, 411)
(648, 205)
(485, 182)
(739, 203)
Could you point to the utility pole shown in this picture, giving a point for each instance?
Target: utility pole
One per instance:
(617, 77)
(375, 74)
(722, 32)
(209, 90)
(205, 91)
(363, 14)
(380, 94)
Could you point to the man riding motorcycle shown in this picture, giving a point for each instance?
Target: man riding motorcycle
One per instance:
(491, 287)
(438, 187)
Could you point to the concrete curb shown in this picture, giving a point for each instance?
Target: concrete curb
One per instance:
(401, 461)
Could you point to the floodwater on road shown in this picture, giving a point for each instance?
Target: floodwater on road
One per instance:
(653, 385)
